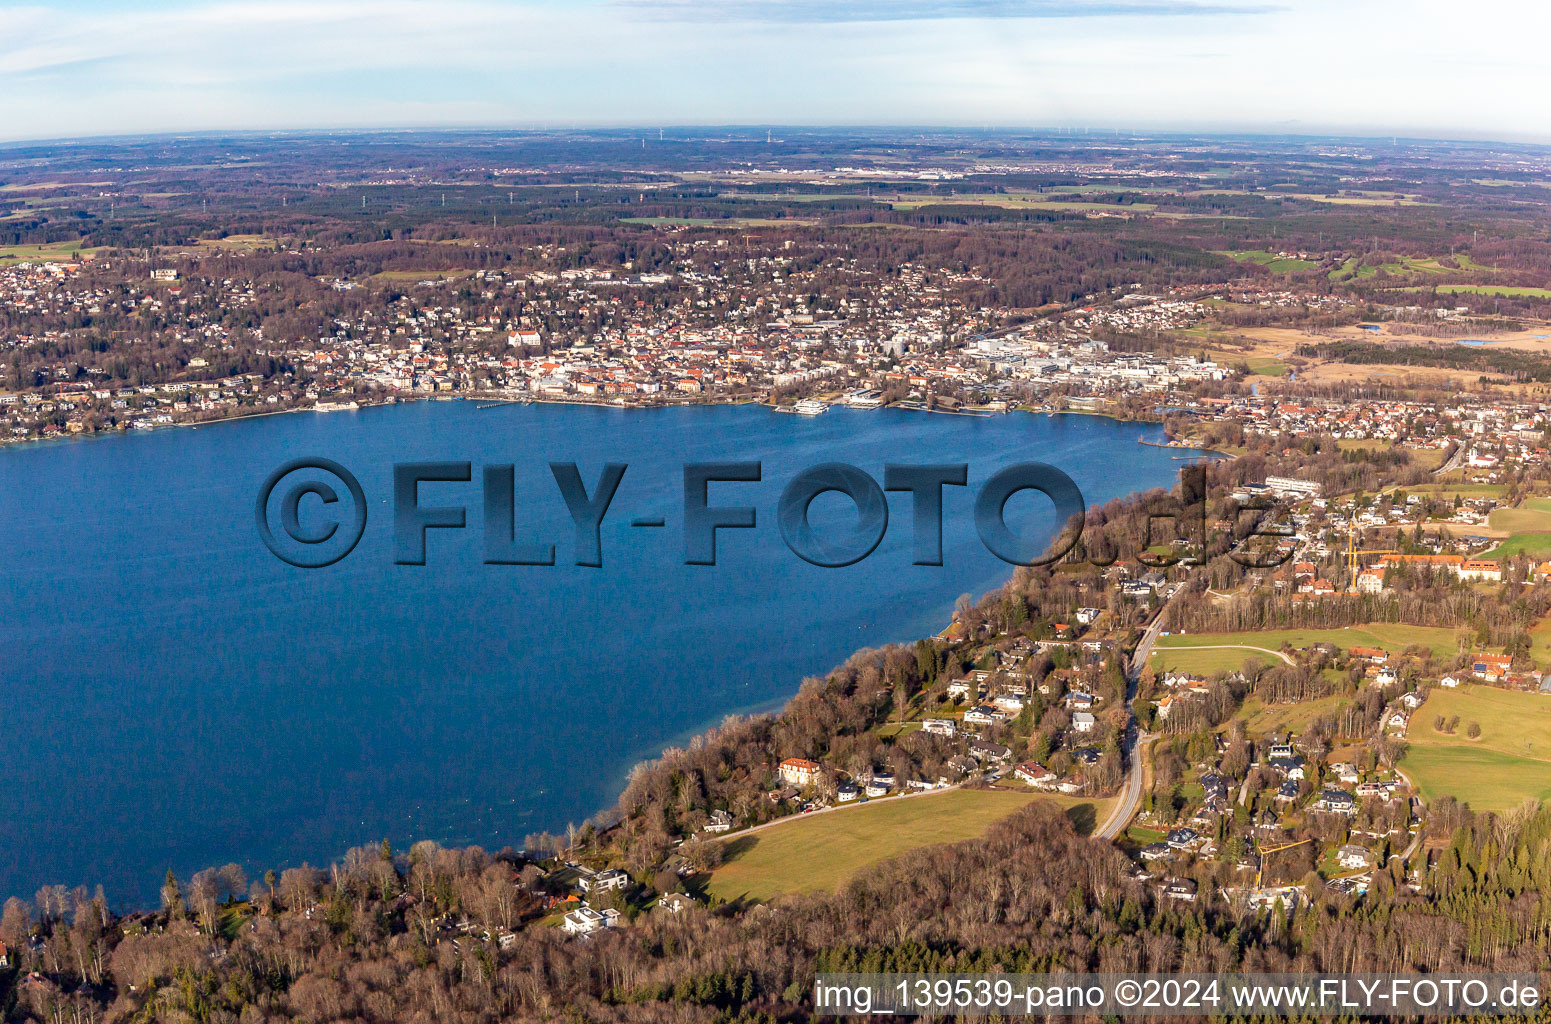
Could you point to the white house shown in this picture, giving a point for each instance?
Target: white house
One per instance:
(1083, 722)
(585, 920)
(603, 881)
(984, 714)
(1353, 857)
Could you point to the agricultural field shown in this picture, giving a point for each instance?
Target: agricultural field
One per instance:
(1536, 545)
(1391, 636)
(1448, 492)
(416, 276)
(1508, 763)
(823, 851)
(1357, 198)
(1527, 527)
(1540, 643)
(723, 222)
(1350, 270)
(1018, 201)
(1507, 291)
(53, 252)
(240, 244)
(1353, 197)
(1270, 260)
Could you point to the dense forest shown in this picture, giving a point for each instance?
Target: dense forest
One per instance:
(381, 936)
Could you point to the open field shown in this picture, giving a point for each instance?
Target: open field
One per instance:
(1350, 270)
(1527, 529)
(413, 276)
(1354, 197)
(1431, 458)
(241, 244)
(1536, 545)
(1018, 201)
(723, 222)
(1540, 643)
(1390, 636)
(1358, 198)
(1266, 366)
(1205, 662)
(1532, 515)
(1507, 291)
(1056, 199)
(1270, 260)
(1449, 491)
(1280, 344)
(1277, 719)
(823, 851)
(53, 252)
(1509, 762)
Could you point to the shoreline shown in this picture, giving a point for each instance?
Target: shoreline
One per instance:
(495, 399)
(772, 707)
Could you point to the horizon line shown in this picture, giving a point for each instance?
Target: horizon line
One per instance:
(1135, 132)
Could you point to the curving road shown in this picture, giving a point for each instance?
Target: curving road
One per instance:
(1453, 462)
(1131, 792)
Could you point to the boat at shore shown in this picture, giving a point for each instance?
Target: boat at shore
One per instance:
(336, 407)
(806, 407)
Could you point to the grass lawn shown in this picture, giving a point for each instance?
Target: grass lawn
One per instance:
(1205, 663)
(1529, 527)
(1267, 366)
(1390, 636)
(1537, 544)
(1511, 760)
(1540, 646)
(823, 851)
(1533, 516)
(1262, 719)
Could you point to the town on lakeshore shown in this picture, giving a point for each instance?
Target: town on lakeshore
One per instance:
(1298, 722)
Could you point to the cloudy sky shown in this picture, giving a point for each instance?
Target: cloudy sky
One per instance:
(86, 67)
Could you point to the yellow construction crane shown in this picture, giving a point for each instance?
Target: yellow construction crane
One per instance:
(1351, 557)
(1261, 851)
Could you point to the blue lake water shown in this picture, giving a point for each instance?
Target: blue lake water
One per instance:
(176, 697)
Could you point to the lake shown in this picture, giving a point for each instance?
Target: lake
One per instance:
(178, 697)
